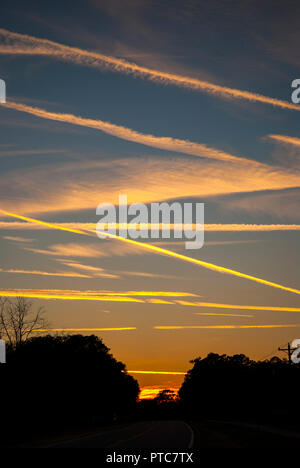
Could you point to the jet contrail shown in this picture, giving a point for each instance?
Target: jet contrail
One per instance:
(222, 315)
(225, 327)
(15, 225)
(21, 44)
(44, 223)
(66, 297)
(84, 329)
(124, 133)
(235, 306)
(71, 292)
(166, 252)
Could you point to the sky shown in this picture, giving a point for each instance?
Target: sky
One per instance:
(162, 101)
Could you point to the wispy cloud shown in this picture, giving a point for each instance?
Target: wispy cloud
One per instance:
(94, 272)
(220, 173)
(144, 274)
(87, 250)
(284, 139)
(18, 239)
(45, 273)
(21, 44)
(70, 250)
(282, 204)
(31, 152)
(124, 133)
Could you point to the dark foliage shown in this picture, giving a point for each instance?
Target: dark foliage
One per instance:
(163, 406)
(64, 381)
(234, 387)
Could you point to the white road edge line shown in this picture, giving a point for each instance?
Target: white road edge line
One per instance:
(191, 443)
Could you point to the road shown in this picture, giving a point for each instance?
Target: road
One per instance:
(180, 435)
(142, 435)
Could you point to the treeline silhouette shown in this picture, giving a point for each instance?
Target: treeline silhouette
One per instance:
(232, 388)
(58, 383)
(237, 388)
(55, 382)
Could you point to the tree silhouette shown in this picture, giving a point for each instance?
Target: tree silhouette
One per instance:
(55, 382)
(236, 387)
(165, 396)
(18, 322)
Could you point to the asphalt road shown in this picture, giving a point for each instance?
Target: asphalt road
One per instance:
(141, 435)
(180, 435)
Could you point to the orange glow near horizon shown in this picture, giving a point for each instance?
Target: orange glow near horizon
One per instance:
(149, 392)
(155, 372)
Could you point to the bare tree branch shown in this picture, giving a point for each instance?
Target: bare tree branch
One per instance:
(18, 322)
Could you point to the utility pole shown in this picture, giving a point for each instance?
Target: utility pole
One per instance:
(287, 350)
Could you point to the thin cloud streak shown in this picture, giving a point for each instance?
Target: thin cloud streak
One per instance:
(222, 327)
(21, 44)
(238, 307)
(84, 329)
(17, 239)
(284, 139)
(45, 273)
(124, 133)
(69, 250)
(95, 272)
(222, 315)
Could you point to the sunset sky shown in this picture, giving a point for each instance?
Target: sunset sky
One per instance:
(162, 101)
